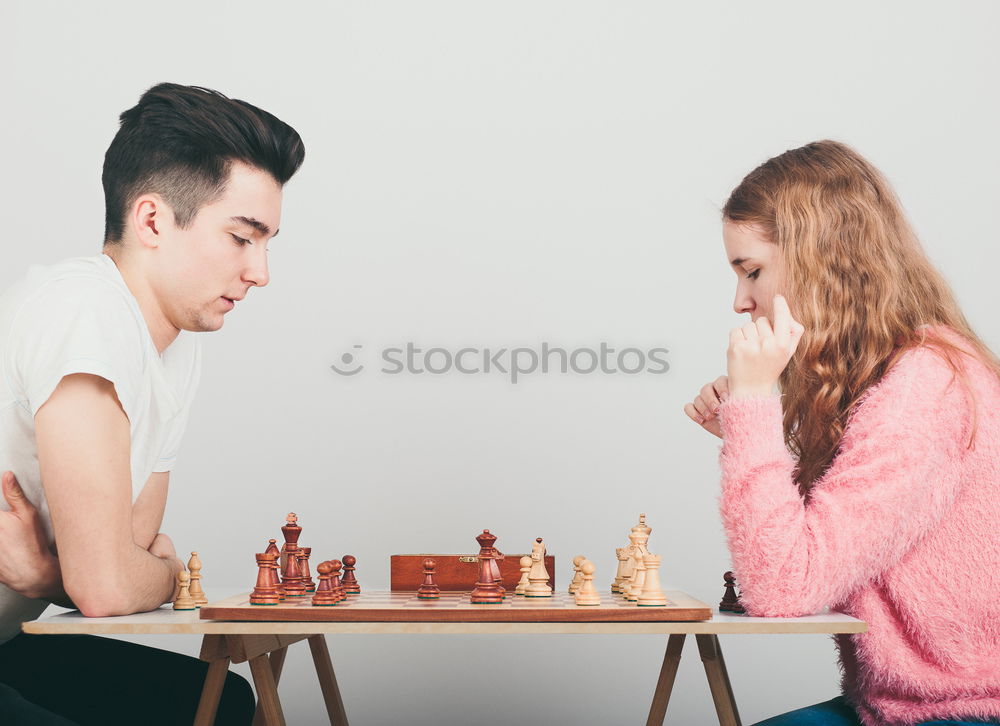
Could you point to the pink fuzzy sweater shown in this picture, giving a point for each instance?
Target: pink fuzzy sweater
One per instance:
(902, 531)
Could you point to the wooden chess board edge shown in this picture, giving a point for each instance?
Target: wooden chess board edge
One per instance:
(683, 608)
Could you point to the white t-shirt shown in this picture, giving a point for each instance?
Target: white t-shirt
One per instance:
(78, 316)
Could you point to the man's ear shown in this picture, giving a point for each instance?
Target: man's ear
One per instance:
(148, 219)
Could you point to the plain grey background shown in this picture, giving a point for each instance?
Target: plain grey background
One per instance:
(491, 175)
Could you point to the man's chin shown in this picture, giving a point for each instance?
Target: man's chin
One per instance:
(205, 324)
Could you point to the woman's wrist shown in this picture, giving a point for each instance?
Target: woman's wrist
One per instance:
(750, 391)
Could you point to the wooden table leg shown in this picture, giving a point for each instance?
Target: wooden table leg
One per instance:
(328, 680)
(718, 680)
(665, 684)
(276, 660)
(211, 692)
(267, 691)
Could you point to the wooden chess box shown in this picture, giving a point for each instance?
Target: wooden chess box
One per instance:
(456, 573)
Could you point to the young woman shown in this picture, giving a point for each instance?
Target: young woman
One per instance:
(871, 484)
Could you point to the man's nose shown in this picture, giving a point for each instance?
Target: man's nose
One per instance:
(257, 273)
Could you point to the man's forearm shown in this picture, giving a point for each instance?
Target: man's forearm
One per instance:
(150, 581)
(155, 576)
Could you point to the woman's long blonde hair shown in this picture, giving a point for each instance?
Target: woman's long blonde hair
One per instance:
(856, 277)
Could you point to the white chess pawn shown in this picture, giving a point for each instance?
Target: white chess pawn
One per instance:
(587, 594)
(538, 577)
(652, 595)
(184, 600)
(574, 585)
(197, 593)
(628, 572)
(522, 584)
(638, 578)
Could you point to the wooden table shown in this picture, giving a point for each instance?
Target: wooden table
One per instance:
(264, 645)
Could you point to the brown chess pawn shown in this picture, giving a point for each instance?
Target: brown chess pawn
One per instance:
(429, 590)
(325, 594)
(304, 576)
(730, 600)
(335, 584)
(351, 586)
(304, 569)
(290, 577)
(265, 592)
(487, 591)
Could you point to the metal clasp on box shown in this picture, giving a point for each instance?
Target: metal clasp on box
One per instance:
(468, 558)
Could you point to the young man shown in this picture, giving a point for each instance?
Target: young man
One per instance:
(99, 366)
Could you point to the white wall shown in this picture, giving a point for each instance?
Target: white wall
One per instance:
(492, 175)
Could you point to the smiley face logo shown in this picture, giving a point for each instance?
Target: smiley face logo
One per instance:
(348, 359)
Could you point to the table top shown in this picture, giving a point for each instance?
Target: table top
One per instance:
(165, 620)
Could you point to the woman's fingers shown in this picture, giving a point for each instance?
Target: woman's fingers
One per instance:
(763, 326)
(782, 320)
(750, 331)
(693, 413)
(721, 387)
(710, 396)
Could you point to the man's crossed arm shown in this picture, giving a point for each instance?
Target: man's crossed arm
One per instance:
(112, 560)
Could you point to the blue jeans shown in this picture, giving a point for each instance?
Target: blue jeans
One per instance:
(836, 712)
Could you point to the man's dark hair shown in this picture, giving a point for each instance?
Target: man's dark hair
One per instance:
(180, 142)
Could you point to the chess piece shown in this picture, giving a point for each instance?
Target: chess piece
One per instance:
(307, 580)
(429, 590)
(538, 577)
(272, 549)
(616, 586)
(288, 552)
(291, 531)
(197, 594)
(626, 584)
(291, 579)
(335, 584)
(577, 580)
(586, 593)
(487, 591)
(496, 556)
(265, 592)
(636, 550)
(730, 600)
(522, 584)
(325, 596)
(351, 586)
(643, 526)
(638, 579)
(652, 594)
(184, 600)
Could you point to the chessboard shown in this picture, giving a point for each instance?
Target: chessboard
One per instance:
(455, 607)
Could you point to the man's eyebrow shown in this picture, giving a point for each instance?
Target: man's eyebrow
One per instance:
(256, 224)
